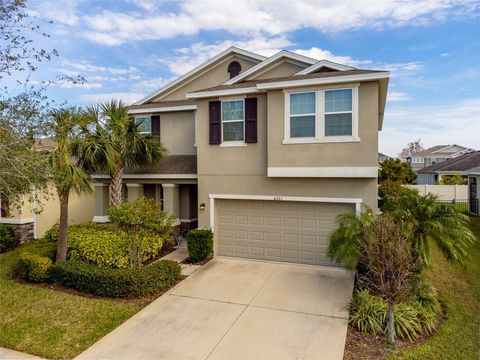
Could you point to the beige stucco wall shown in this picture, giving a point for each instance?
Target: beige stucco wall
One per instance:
(214, 75)
(243, 170)
(177, 132)
(81, 208)
(363, 153)
(277, 69)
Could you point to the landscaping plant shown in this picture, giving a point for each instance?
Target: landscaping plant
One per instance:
(7, 237)
(144, 225)
(385, 253)
(200, 244)
(65, 168)
(116, 142)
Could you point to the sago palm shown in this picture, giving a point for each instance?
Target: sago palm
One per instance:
(115, 142)
(66, 170)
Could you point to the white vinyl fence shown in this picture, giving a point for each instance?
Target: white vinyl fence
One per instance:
(444, 192)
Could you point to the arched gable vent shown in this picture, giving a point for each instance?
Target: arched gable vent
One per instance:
(234, 69)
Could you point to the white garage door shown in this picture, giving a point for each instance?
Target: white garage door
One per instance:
(276, 230)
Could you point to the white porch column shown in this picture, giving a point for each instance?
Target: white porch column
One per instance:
(171, 201)
(134, 191)
(102, 202)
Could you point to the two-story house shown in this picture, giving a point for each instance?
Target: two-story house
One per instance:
(436, 154)
(264, 151)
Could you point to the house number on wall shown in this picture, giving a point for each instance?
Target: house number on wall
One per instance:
(277, 198)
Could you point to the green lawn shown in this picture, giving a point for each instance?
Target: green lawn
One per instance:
(459, 289)
(51, 323)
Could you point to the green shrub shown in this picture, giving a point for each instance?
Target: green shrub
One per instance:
(145, 226)
(42, 247)
(53, 233)
(97, 244)
(7, 237)
(130, 282)
(34, 267)
(369, 314)
(200, 244)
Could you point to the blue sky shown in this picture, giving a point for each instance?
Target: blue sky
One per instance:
(127, 49)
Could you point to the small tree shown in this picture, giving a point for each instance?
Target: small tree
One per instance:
(66, 170)
(116, 143)
(385, 251)
(396, 170)
(411, 149)
(144, 226)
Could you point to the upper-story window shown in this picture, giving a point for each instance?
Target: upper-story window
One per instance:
(338, 112)
(233, 121)
(303, 115)
(325, 115)
(144, 124)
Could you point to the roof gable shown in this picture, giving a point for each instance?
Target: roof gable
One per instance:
(284, 54)
(202, 67)
(458, 164)
(318, 66)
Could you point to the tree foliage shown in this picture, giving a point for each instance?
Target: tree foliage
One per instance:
(385, 253)
(397, 171)
(411, 149)
(143, 223)
(116, 143)
(456, 179)
(66, 169)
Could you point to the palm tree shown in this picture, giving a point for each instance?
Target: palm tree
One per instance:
(116, 143)
(423, 217)
(429, 221)
(66, 170)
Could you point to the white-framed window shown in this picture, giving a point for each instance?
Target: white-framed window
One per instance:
(323, 115)
(233, 121)
(303, 114)
(144, 124)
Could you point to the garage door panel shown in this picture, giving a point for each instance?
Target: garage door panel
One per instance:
(277, 230)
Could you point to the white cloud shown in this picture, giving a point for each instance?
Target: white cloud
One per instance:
(86, 66)
(64, 15)
(186, 59)
(152, 84)
(78, 85)
(322, 54)
(457, 123)
(265, 18)
(127, 97)
(397, 96)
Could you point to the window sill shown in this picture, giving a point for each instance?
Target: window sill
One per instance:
(233, 144)
(325, 140)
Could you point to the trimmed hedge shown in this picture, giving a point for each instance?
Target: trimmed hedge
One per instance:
(200, 244)
(34, 267)
(125, 282)
(7, 237)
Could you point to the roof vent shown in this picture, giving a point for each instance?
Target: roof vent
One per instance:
(234, 69)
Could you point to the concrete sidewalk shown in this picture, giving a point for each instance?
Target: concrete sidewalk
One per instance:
(239, 309)
(7, 354)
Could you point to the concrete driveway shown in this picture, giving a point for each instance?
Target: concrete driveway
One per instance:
(239, 309)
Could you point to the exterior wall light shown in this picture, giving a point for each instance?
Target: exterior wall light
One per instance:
(202, 206)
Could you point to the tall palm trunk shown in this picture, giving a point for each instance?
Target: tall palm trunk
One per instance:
(62, 240)
(116, 196)
(391, 325)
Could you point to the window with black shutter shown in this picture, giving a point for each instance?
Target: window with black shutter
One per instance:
(214, 122)
(251, 120)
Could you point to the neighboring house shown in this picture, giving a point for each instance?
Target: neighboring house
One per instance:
(382, 157)
(37, 212)
(459, 165)
(436, 154)
(473, 190)
(264, 151)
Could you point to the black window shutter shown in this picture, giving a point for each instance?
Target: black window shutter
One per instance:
(214, 122)
(251, 120)
(155, 124)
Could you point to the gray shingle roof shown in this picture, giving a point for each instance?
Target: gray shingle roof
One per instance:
(462, 163)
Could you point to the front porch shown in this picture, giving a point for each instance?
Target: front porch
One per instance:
(172, 184)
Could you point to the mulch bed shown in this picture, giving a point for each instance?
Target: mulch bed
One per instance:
(203, 262)
(163, 251)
